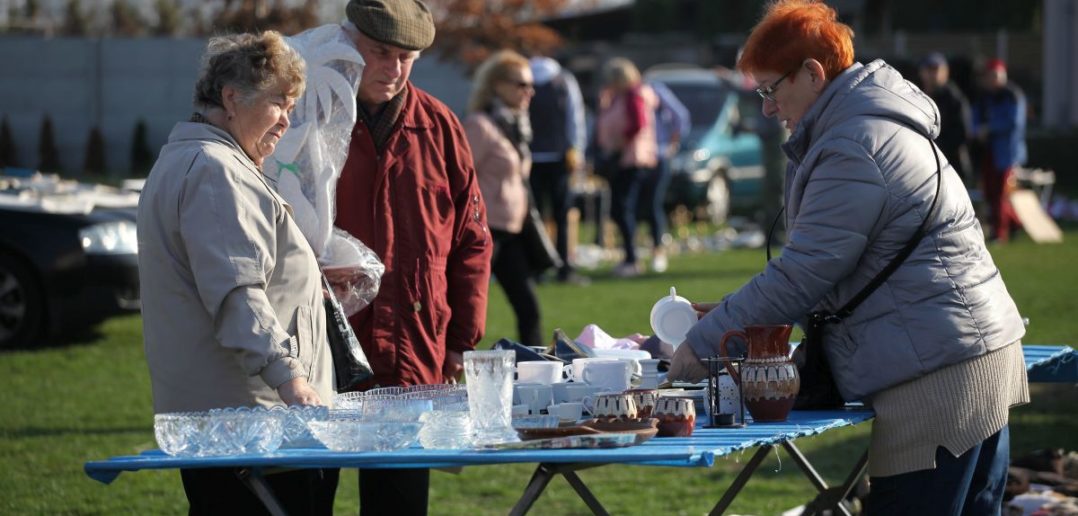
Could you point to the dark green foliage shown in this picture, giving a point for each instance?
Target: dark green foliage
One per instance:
(95, 153)
(7, 145)
(168, 18)
(141, 155)
(48, 154)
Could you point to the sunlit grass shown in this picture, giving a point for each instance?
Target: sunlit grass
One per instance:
(65, 405)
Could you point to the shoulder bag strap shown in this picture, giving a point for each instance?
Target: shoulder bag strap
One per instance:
(882, 276)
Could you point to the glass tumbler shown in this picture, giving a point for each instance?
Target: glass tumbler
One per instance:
(489, 376)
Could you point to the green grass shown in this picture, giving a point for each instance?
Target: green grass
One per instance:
(64, 405)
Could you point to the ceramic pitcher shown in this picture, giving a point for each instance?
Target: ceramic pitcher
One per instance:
(768, 377)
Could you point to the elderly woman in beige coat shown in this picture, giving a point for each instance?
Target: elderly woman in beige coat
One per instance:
(232, 302)
(499, 132)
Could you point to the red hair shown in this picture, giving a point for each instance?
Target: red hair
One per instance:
(794, 30)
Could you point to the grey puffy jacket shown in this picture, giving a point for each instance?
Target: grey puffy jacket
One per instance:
(860, 180)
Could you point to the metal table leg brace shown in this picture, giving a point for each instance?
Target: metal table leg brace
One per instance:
(828, 497)
(256, 482)
(542, 476)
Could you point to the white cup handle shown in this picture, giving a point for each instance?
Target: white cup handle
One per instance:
(589, 403)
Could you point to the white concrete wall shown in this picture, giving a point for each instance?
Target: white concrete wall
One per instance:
(112, 83)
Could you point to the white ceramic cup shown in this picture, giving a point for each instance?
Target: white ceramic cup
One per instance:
(520, 409)
(578, 391)
(610, 376)
(544, 372)
(576, 372)
(570, 411)
(672, 317)
(536, 396)
(560, 391)
(649, 373)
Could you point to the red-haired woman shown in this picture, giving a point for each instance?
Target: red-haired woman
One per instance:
(935, 350)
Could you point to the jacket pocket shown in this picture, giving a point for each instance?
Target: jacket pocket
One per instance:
(305, 342)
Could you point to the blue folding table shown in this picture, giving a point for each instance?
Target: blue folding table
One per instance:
(1045, 363)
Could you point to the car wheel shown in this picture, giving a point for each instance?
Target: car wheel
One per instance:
(22, 307)
(718, 199)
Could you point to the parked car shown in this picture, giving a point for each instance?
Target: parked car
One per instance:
(68, 257)
(719, 167)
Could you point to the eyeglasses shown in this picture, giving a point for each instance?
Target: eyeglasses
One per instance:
(523, 85)
(768, 93)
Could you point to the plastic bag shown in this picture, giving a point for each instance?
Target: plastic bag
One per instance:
(309, 157)
(353, 270)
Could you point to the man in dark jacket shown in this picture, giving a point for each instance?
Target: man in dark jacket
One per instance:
(557, 117)
(408, 190)
(955, 122)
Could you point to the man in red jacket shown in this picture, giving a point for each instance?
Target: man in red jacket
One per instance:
(409, 191)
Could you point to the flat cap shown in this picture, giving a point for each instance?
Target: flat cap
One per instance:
(407, 24)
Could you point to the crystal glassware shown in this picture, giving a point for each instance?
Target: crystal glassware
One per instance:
(489, 376)
(447, 430)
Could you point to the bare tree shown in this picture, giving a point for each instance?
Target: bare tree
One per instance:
(126, 20)
(470, 30)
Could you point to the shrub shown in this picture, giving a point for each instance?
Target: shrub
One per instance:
(95, 153)
(48, 155)
(141, 155)
(7, 145)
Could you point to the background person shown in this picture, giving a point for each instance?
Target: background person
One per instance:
(935, 350)
(999, 121)
(232, 304)
(498, 132)
(672, 122)
(625, 130)
(955, 119)
(559, 138)
(409, 191)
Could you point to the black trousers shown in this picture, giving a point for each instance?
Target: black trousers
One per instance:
(220, 491)
(510, 267)
(393, 492)
(553, 198)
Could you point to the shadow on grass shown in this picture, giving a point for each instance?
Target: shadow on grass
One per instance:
(31, 431)
(689, 275)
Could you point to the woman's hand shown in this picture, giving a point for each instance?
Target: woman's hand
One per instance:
(685, 366)
(298, 392)
(453, 367)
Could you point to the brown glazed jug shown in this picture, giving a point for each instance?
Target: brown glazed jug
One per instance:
(768, 378)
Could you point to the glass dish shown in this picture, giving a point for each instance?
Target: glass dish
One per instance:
(399, 410)
(357, 435)
(447, 430)
(219, 432)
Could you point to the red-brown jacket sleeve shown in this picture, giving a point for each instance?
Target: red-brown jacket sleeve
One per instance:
(468, 267)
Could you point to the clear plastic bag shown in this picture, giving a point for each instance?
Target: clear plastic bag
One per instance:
(353, 270)
(309, 158)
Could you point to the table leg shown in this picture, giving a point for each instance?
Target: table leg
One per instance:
(585, 493)
(741, 480)
(542, 476)
(829, 497)
(535, 487)
(253, 479)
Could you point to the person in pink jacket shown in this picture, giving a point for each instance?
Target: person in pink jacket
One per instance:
(626, 131)
(498, 131)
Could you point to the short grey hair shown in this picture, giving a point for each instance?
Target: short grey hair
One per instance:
(251, 63)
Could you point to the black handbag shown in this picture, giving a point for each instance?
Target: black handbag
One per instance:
(350, 364)
(818, 390)
(539, 250)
